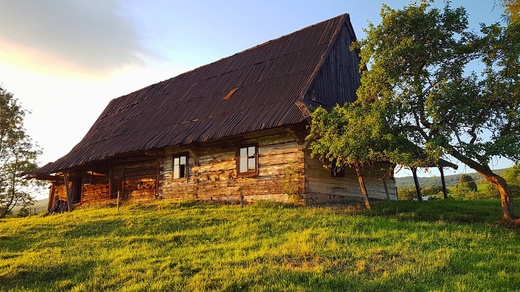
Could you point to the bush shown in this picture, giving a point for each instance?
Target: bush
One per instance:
(432, 192)
(491, 192)
(406, 194)
(512, 175)
(466, 180)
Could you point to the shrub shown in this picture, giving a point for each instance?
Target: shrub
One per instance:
(406, 194)
(512, 175)
(466, 180)
(433, 192)
(23, 212)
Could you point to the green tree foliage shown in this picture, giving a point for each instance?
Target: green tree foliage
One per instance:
(512, 174)
(467, 181)
(511, 10)
(420, 89)
(17, 155)
(432, 192)
(466, 189)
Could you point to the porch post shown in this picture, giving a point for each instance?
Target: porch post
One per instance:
(444, 192)
(67, 190)
(416, 181)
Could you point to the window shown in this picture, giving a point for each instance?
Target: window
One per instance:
(248, 161)
(337, 171)
(180, 166)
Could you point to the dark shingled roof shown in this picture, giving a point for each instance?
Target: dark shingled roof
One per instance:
(260, 88)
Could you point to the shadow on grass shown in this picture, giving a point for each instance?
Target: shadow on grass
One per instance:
(453, 211)
(63, 276)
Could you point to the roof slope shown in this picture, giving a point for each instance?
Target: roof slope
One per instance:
(252, 90)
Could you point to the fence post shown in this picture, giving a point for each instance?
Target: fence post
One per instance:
(241, 199)
(118, 192)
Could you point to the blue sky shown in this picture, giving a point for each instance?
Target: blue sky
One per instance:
(65, 60)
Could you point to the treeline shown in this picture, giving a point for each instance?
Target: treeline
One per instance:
(451, 180)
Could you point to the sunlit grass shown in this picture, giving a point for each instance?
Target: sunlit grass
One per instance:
(172, 246)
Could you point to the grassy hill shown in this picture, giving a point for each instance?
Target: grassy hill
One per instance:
(185, 246)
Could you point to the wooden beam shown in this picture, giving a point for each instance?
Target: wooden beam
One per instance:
(386, 189)
(50, 203)
(67, 191)
(362, 185)
(416, 182)
(443, 180)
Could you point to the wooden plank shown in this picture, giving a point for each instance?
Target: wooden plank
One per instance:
(67, 191)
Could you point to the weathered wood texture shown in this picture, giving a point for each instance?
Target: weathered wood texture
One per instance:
(213, 172)
(57, 190)
(338, 78)
(95, 190)
(321, 187)
(284, 173)
(136, 181)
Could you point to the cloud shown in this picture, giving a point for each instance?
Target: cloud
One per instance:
(93, 36)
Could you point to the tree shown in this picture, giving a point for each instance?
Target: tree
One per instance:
(511, 10)
(17, 155)
(467, 181)
(421, 89)
(512, 174)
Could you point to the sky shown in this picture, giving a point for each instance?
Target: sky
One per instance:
(65, 60)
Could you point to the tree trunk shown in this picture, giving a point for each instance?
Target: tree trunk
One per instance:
(12, 200)
(416, 182)
(443, 181)
(508, 213)
(362, 185)
(67, 191)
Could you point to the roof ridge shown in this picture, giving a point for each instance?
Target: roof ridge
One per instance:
(344, 16)
(274, 77)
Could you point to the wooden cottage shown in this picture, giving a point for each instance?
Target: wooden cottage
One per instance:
(234, 126)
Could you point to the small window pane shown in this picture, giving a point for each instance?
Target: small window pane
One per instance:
(243, 164)
(251, 150)
(182, 171)
(176, 172)
(248, 160)
(179, 166)
(251, 164)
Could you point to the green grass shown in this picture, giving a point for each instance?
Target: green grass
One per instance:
(184, 246)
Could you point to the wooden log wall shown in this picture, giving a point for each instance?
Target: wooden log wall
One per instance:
(285, 172)
(213, 172)
(95, 190)
(322, 187)
(137, 179)
(58, 190)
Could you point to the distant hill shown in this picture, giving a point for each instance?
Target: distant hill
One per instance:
(451, 180)
(38, 207)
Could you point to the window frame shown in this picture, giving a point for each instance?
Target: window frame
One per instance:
(186, 166)
(250, 172)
